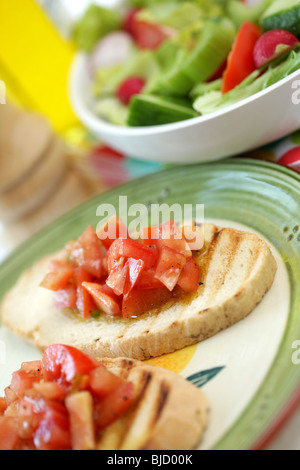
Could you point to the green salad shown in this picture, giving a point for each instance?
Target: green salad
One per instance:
(154, 62)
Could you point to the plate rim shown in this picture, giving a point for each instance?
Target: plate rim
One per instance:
(243, 163)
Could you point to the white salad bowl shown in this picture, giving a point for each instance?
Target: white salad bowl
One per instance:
(251, 123)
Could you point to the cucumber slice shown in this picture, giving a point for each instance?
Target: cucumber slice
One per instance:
(148, 110)
(282, 14)
(173, 82)
(239, 12)
(211, 50)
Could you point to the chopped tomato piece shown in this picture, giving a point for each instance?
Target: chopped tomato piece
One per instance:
(103, 382)
(86, 253)
(3, 406)
(190, 276)
(9, 433)
(111, 230)
(63, 363)
(150, 35)
(61, 272)
(23, 380)
(169, 266)
(114, 405)
(118, 276)
(84, 302)
(53, 435)
(130, 249)
(66, 298)
(148, 280)
(49, 390)
(104, 298)
(240, 61)
(135, 270)
(32, 366)
(167, 234)
(141, 301)
(80, 409)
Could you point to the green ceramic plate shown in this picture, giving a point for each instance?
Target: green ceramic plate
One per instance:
(249, 372)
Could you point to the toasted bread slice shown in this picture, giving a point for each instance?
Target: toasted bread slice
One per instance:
(238, 269)
(167, 413)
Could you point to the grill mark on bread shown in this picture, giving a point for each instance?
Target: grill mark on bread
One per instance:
(162, 398)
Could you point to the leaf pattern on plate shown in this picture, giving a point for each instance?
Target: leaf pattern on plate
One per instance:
(201, 378)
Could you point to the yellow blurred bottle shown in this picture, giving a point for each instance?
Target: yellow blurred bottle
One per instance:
(35, 62)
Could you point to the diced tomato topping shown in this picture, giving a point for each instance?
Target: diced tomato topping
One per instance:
(3, 405)
(9, 433)
(128, 248)
(135, 270)
(74, 399)
(80, 409)
(86, 253)
(53, 431)
(66, 298)
(111, 230)
(148, 280)
(59, 276)
(169, 267)
(190, 276)
(167, 234)
(23, 380)
(104, 299)
(64, 363)
(103, 382)
(114, 405)
(240, 61)
(143, 301)
(117, 277)
(85, 303)
(153, 260)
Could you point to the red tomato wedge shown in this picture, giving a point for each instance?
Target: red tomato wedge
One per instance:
(113, 406)
(272, 44)
(190, 276)
(167, 234)
(111, 230)
(9, 433)
(103, 382)
(148, 280)
(61, 272)
(84, 303)
(66, 298)
(169, 266)
(23, 380)
(86, 253)
(240, 61)
(141, 301)
(104, 298)
(128, 248)
(63, 363)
